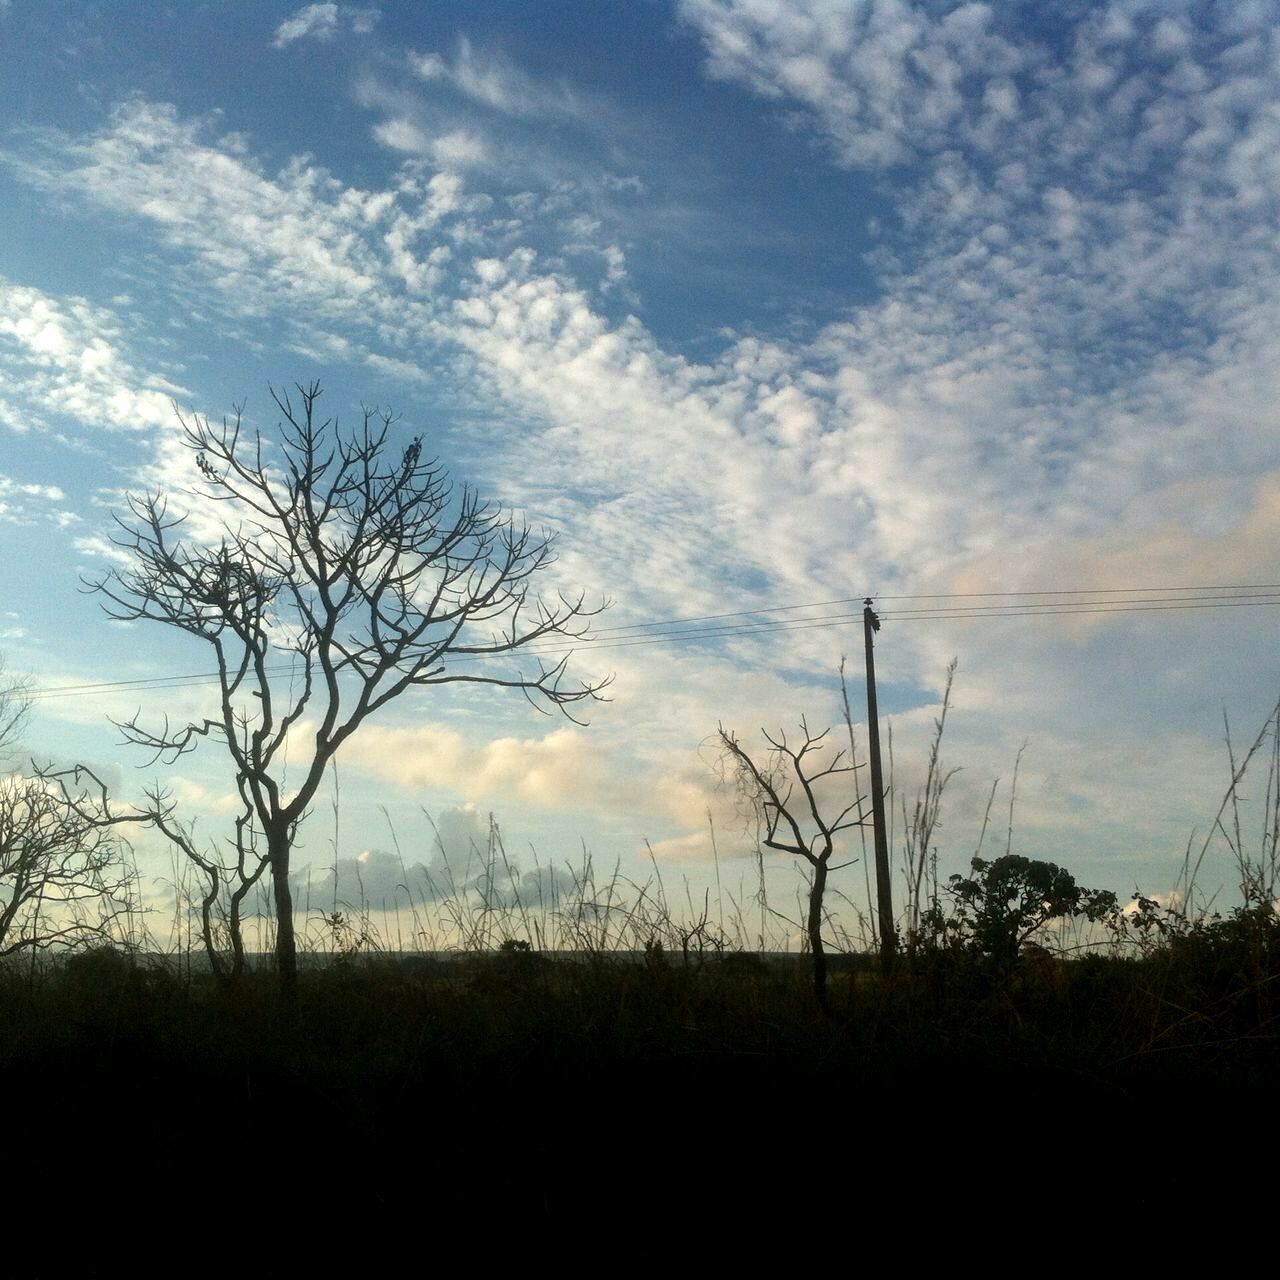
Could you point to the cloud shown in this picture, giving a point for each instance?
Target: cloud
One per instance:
(324, 22)
(492, 81)
(319, 21)
(1194, 533)
(1038, 318)
(476, 110)
(568, 770)
(403, 135)
(560, 770)
(1074, 331)
(62, 358)
(455, 149)
(23, 503)
(880, 79)
(341, 261)
(194, 799)
(466, 862)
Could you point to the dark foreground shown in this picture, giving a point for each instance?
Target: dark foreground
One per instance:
(510, 1094)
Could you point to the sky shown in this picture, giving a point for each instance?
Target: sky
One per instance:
(757, 304)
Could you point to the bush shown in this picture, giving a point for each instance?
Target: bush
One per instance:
(1004, 902)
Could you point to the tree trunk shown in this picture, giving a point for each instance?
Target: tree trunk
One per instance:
(286, 944)
(237, 933)
(817, 889)
(206, 936)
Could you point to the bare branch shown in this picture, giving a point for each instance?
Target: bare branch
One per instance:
(63, 877)
(355, 556)
(769, 789)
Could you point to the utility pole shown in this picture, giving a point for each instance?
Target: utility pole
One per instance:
(884, 890)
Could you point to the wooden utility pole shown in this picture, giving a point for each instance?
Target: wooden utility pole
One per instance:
(884, 890)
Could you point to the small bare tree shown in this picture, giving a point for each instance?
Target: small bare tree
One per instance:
(355, 561)
(15, 707)
(771, 789)
(85, 796)
(63, 879)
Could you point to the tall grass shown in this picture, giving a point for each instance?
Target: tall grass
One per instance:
(479, 1019)
(1257, 864)
(476, 899)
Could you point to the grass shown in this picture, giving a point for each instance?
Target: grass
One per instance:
(1203, 1004)
(605, 970)
(512, 1097)
(584, 1046)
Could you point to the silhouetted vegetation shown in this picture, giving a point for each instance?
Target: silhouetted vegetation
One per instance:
(786, 816)
(354, 561)
(552, 1083)
(996, 911)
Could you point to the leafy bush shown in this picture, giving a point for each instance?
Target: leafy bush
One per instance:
(997, 908)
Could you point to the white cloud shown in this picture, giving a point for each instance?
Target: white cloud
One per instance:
(561, 770)
(297, 244)
(465, 859)
(99, 548)
(495, 82)
(459, 149)
(1042, 274)
(454, 149)
(567, 770)
(298, 241)
(881, 78)
(22, 503)
(324, 22)
(319, 21)
(62, 358)
(403, 135)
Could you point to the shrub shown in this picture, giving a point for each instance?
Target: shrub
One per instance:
(1005, 901)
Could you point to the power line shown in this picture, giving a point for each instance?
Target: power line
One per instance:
(1082, 591)
(953, 595)
(1023, 609)
(957, 613)
(942, 615)
(849, 619)
(1262, 595)
(142, 682)
(1062, 606)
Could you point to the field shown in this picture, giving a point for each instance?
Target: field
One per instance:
(505, 1087)
(580, 1053)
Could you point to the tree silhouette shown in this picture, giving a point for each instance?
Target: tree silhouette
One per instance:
(15, 707)
(64, 880)
(63, 877)
(771, 789)
(1005, 901)
(355, 560)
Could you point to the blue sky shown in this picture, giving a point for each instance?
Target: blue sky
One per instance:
(757, 303)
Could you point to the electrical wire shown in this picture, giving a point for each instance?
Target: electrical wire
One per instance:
(954, 595)
(1066, 611)
(1126, 600)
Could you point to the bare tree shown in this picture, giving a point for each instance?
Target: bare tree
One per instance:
(86, 800)
(771, 789)
(15, 707)
(64, 879)
(356, 562)
(86, 796)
